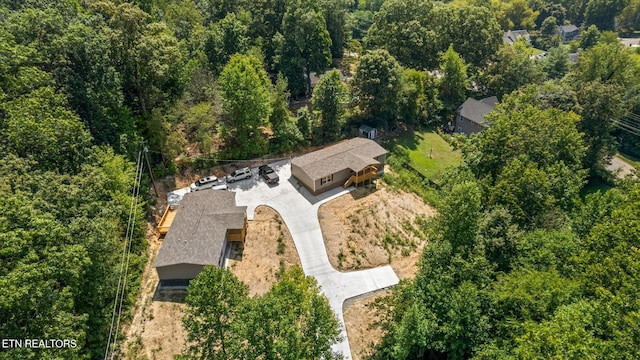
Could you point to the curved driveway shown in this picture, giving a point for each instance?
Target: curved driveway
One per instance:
(299, 210)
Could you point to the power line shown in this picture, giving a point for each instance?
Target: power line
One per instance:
(125, 254)
(630, 123)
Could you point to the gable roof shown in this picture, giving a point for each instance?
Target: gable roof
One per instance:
(512, 36)
(198, 231)
(366, 128)
(475, 110)
(568, 28)
(354, 154)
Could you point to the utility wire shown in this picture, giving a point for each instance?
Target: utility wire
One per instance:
(630, 123)
(128, 235)
(126, 268)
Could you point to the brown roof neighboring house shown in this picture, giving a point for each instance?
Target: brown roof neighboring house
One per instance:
(331, 166)
(352, 154)
(198, 232)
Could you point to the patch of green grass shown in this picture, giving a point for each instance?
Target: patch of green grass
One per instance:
(428, 153)
(635, 57)
(535, 51)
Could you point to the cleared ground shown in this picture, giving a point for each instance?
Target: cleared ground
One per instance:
(368, 228)
(359, 316)
(156, 329)
(268, 250)
(373, 227)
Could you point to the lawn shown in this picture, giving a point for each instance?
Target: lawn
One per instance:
(428, 152)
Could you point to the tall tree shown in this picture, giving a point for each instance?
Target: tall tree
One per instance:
(540, 170)
(589, 37)
(556, 63)
(549, 36)
(245, 91)
(336, 15)
(148, 58)
(226, 37)
(511, 69)
(286, 135)
(214, 307)
(472, 30)
(328, 100)
(403, 28)
(292, 321)
(454, 82)
(39, 125)
(420, 104)
(602, 13)
(305, 45)
(378, 84)
(515, 14)
(603, 69)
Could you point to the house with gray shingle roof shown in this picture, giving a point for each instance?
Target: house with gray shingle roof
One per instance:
(511, 36)
(470, 115)
(205, 222)
(348, 162)
(568, 32)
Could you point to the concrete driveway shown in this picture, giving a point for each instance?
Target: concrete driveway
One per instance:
(299, 210)
(619, 167)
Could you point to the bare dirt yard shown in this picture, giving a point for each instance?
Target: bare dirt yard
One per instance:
(155, 331)
(359, 317)
(268, 250)
(368, 228)
(372, 227)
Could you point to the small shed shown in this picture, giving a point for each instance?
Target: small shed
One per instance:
(368, 131)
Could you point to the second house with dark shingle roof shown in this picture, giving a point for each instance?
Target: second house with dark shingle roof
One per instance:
(470, 115)
(349, 162)
(205, 222)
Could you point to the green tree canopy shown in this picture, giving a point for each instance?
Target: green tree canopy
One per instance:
(305, 45)
(328, 100)
(403, 28)
(377, 85)
(454, 82)
(291, 321)
(245, 91)
(511, 69)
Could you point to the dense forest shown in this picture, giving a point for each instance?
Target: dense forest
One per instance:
(521, 264)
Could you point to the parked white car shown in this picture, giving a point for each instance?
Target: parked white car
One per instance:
(209, 182)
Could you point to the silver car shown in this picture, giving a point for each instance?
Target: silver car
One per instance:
(240, 174)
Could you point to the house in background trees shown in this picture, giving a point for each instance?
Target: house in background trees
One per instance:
(470, 115)
(512, 36)
(568, 33)
(349, 162)
(205, 222)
